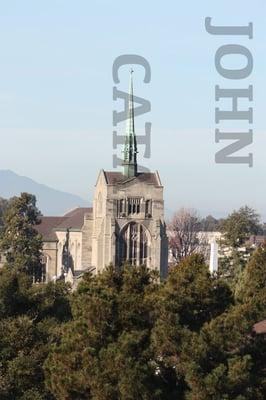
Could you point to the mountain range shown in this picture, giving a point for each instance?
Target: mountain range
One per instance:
(50, 201)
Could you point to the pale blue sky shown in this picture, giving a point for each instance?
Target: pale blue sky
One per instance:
(56, 94)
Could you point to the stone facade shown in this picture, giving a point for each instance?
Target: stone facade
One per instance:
(125, 225)
(128, 221)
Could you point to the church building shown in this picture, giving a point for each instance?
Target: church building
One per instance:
(125, 225)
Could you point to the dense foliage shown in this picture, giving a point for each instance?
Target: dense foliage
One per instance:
(3, 207)
(30, 315)
(239, 225)
(123, 334)
(132, 338)
(237, 229)
(210, 224)
(105, 351)
(19, 241)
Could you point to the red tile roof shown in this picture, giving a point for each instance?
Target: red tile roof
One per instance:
(73, 219)
(47, 225)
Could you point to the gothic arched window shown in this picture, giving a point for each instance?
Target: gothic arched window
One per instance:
(39, 275)
(134, 245)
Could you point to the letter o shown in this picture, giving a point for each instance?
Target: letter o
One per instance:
(233, 73)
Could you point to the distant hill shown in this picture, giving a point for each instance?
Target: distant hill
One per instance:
(49, 201)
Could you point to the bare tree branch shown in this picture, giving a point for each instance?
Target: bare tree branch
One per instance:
(183, 233)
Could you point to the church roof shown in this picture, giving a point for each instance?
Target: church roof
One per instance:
(73, 219)
(46, 227)
(113, 178)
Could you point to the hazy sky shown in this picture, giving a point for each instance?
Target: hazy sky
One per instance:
(56, 94)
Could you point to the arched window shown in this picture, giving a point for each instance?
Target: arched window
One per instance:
(134, 245)
(40, 273)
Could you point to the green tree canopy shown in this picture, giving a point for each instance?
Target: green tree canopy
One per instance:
(105, 352)
(210, 224)
(19, 239)
(239, 225)
(223, 362)
(30, 318)
(127, 336)
(3, 206)
(30, 315)
(225, 359)
(190, 298)
(237, 229)
(252, 287)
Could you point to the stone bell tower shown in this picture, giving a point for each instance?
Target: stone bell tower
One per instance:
(128, 212)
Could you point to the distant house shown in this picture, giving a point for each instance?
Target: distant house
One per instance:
(256, 240)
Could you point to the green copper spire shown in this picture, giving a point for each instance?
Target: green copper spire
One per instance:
(130, 148)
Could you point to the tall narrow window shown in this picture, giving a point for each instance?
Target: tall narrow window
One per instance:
(121, 208)
(143, 247)
(121, 204)
(133, 205)
(39, 275)
(148, 208)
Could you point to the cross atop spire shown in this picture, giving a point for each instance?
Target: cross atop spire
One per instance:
(130, 147)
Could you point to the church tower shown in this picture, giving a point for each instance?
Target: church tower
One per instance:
(128, 212)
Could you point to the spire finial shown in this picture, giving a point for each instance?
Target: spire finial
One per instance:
(130, 148)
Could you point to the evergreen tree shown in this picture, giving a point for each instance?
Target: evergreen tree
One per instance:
(3, 207)
(19, 241)
(105, 352)
(190, 298)
(252, 287)
(30, 315)
(237, 229)
(222, 361)
(126, 336)
(210, 224)
(226, 359)
(239, 225)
